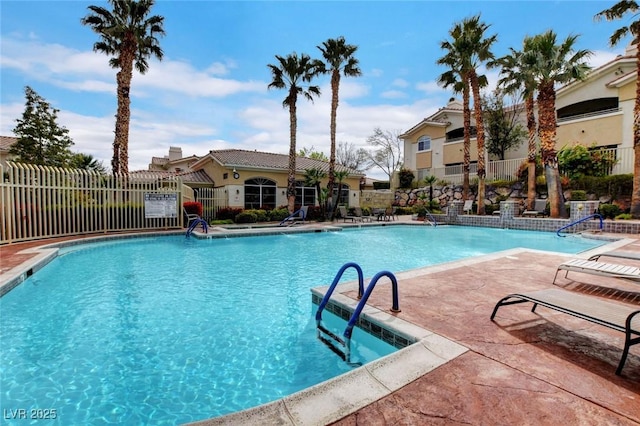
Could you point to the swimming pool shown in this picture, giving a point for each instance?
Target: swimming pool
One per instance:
(170, 330)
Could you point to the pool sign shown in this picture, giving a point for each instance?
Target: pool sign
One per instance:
(158, 205)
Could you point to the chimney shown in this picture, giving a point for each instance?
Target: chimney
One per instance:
(175, 153)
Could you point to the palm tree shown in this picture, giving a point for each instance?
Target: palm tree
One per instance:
(291, 73)
(129, 36)
(313, 177)
(430, 180)
(518, 79)
(478, 49)
(339, 59)
(87, 162)
(553, 63)
(457, 78)
(617, 11)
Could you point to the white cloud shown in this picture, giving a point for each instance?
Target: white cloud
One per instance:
(400, 82)
(393, 94)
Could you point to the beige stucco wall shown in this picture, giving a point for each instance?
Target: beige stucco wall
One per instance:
(627, 92)
(454, 152)
(602, 131)
(424, 160)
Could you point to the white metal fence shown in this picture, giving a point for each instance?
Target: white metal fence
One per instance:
(41, 202)
(508, 169)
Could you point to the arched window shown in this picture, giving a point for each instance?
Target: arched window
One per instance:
(259, 193)
(424, 143)
(305, 195)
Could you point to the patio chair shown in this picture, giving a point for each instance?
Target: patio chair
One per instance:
(617, 253)
(602, 269)
(538, 209)
(363, 217)
(467, 208)
(344, 215)
(190, 216)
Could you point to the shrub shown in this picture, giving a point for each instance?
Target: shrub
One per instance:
(279, 214)
(615, 185)
(405, 176)
(577, 160)
(624, 216)
(247, 216)
(193, 207)
(609, 211)
(228, 213)
(381, 185)
(261, 215)
(578, 195)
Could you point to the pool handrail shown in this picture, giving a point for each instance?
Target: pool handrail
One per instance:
(433, 219)
(293, 216)
(194, 224)
(363, 301)
(592, 216)
(333, 285)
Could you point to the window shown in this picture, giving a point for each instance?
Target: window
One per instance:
(305, 195)
(259, 193)
(343, 197)
(424, 143)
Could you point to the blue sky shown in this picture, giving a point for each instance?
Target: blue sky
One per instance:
(210, 90)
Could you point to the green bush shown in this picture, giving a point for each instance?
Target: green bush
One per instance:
(615, 186)
(609, 211)
(381, 185)
(228, 213)
(279, 214)
(405, 177)
(624, 216)
(577, 160)
(261, 215)
(247, 216)
(578, 195)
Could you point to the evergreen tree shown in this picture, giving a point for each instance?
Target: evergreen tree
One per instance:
(41, 140)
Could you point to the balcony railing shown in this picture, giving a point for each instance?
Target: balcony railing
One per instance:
(588, 115)
(508, 169)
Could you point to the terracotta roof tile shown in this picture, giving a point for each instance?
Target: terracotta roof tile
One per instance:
(258, 159)
(6, 142)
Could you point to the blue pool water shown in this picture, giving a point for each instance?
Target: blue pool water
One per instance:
(169, 330)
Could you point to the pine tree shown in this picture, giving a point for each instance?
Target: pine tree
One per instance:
(41, 140)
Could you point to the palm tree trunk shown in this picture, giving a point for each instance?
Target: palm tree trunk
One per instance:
(547, 132)
(466, 114)
(635, 194)
(531, 175)
(477, 106)
(291, 180)
(335, 86)
(120, 162)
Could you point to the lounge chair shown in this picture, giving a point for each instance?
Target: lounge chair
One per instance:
(617, 253)
(344, 215)
(467, 208)
(363, 217)
(617, 316)
(599, 268)
(538, 209)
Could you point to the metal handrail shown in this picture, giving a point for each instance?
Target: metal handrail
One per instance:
(333, 285)
(194, 224)
(433, 219)
(598, 215)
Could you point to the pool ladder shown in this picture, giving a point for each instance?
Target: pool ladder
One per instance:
(194, 224)
(342, 345)
(593, 216)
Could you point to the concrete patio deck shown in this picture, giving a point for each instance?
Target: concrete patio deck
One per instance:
(525, 368)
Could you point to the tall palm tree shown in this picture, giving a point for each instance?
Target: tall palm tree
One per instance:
(617, 11)
(292, 73)
(129, 36)
(552, 63)
(457, 78)
(479, 51)
(339, 60)
(518, 79)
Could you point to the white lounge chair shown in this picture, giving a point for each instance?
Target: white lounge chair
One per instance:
(467, 208)
(617, 253)
(602, 269)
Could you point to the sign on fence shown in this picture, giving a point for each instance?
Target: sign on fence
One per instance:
(160, 205)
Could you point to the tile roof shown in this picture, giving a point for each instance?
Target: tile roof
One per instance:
(267, 160)
(199, 176)
(6, 142)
